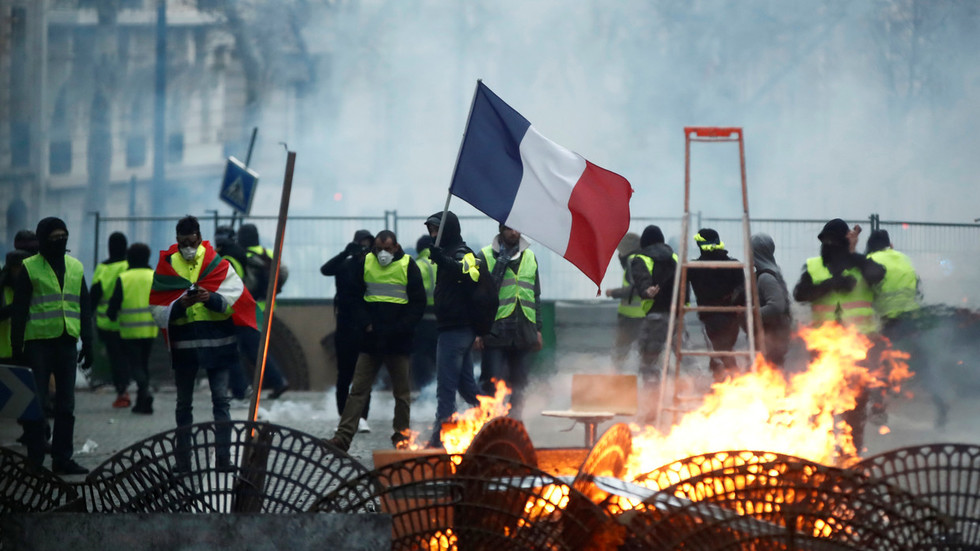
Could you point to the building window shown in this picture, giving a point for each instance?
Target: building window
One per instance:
(59, 158)
(20, 144)
(135, 151)
(175, 148)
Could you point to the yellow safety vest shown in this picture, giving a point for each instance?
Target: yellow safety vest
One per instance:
(6, 348)
(896, 293)
(236, 265)
(428, 270)
(197, 312)
(135, 319)
(849, 308)
(54, 309)
(386, 283)
(106, 274)
(515, 288)
(627, 306)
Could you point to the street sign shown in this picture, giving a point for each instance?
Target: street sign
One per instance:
(18, 399)
(238, 185)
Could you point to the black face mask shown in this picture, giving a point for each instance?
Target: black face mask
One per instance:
(54, 248)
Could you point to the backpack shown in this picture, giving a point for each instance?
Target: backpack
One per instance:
(484, 302)
(258, 268)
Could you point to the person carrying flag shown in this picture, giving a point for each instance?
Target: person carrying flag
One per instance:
(199, 300)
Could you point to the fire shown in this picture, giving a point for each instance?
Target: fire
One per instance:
(442, 541)
(763, 410)
(460, 430)
(554, 497)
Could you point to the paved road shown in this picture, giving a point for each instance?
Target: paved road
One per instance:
(101, 431)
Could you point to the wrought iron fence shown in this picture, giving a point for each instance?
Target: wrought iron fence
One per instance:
(945, 255)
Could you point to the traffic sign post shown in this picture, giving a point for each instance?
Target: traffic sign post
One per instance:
(18, 395)
(238, 185)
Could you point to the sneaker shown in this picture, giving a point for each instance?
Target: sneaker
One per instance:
(278, 391)
(363, 426)
(69, 467)
(122, 401)
(143, 405)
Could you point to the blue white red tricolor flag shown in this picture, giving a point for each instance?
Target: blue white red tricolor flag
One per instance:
(516, 176)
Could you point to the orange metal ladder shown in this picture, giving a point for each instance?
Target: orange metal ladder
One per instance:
(674, 348)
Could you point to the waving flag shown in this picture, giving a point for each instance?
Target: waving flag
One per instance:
(516, 176)
(217, 276)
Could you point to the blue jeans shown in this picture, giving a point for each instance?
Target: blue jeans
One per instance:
(511, 366)
(248, 346)
(185, 379)
(454, 362)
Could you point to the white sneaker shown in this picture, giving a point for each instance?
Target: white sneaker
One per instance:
(363, 426)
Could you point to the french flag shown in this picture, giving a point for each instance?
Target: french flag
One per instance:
(520, 178)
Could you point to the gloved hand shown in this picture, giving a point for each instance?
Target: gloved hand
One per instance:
(843, 282)
(436, 254)
(85, 358)
(508, 254)
(352, 249)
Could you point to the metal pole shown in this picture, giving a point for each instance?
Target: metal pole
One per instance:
(159, 193)
(95, 254)
(251, 146)
(442, 221)
(270, 294)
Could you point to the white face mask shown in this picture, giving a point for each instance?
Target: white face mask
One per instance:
(384, 257)
(188, 253)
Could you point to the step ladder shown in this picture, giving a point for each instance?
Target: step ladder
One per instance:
(671, 403)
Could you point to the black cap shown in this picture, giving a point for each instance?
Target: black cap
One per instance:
(878, 240)
(651, 235)
(707, 236)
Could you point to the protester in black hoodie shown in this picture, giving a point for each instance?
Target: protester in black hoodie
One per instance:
(718, 287)
(652, 271)
(390, 286)
(48, 345)
(347, 300)
(456, 280)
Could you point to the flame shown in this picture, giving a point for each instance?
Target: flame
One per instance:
(461, 428)
(442, 541)
(554, 497)
(763, 410)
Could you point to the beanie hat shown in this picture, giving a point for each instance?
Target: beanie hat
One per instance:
(834, 231)
(26, 240)
(424, 243)
(877, 241)
(361, 235)
(117, 246)
(708, 240)
(47, 226)
(248, 235)
(651, 236)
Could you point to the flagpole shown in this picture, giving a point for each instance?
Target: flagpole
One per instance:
(442, 220)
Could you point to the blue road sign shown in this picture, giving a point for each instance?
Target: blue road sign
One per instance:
(238, 185)
(18, 399)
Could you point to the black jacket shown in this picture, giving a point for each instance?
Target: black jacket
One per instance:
(344, 268)
(717, 286)
(837, 258)
(392, 325)
(664, 268)
(454, 289)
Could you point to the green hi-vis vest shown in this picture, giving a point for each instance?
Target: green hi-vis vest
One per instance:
(106, 274)
(197, 312)
(627, 306)
(135, 319)
(54, 310)
(849, 308)
(428, 270)
(386, 283)
(6, 348)
(896, 294)
(236, 265)
(515, 288)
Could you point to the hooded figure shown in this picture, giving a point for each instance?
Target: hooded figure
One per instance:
(774, 302)
(248, 235)
(103, 286)
(26, 240)
(652, 271)
(454, 286)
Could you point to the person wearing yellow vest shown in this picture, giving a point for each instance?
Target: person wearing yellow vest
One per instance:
(11, 269)
(631, 309)
(652, 271)
(199, 300)
(516, 329)
(838, 285)
(897, 301)
(394, 299)
(426, 333)
(52, 312)
(129, 306)
(257, 274)
(103, 284)
(239, 379)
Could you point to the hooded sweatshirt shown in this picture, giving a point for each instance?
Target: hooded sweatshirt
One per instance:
(343, 266)
(774, 300)
(664, 266)
(454, 289)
